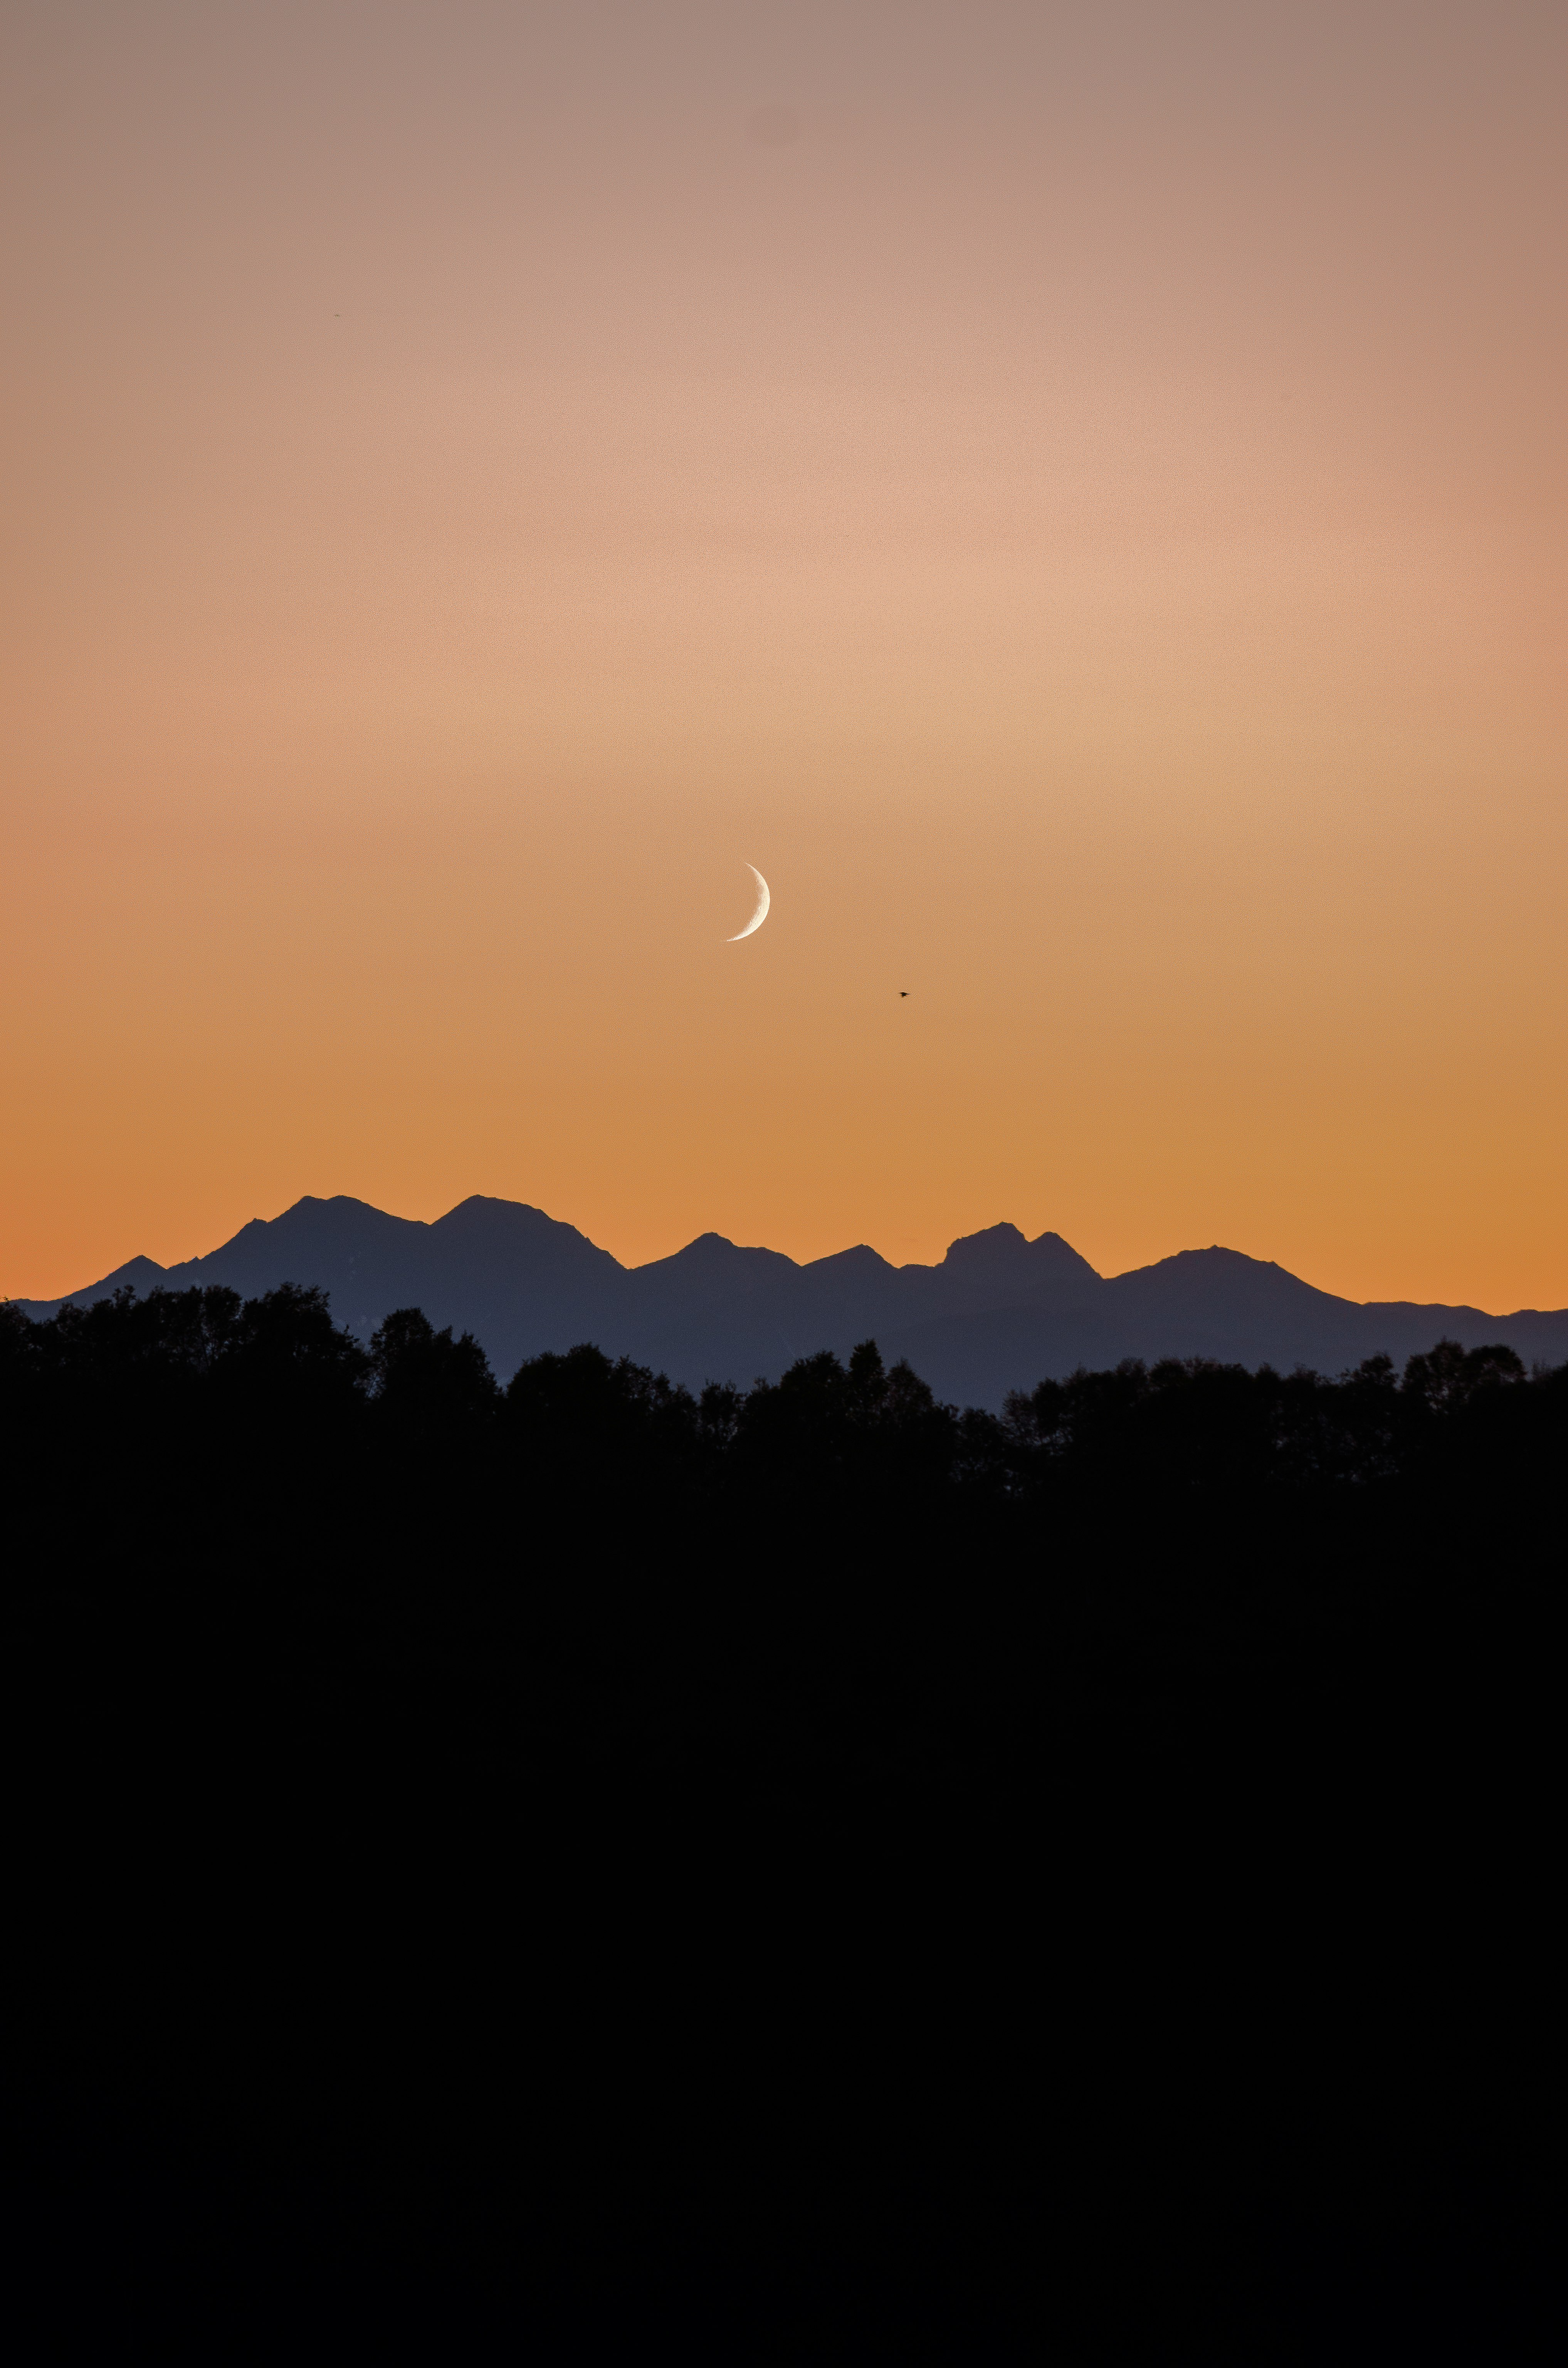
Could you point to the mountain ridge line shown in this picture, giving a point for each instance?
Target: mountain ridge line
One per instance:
(997, 1312)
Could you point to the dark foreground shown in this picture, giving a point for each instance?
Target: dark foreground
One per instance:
(580, 1876)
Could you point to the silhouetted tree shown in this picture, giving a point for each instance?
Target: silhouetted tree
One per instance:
(423, 1375)
(1447, 1376)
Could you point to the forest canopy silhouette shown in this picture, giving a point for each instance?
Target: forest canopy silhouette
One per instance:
(586, 1866)
(108, 1372)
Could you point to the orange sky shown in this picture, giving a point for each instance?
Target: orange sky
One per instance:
(1076, 495)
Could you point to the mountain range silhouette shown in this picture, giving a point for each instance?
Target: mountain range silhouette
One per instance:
(998, 1312)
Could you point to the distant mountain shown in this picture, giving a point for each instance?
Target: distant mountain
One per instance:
(998, 1312)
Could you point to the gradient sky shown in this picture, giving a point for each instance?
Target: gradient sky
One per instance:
(1075, 495)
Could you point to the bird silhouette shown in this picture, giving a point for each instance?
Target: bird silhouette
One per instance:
(903, 994)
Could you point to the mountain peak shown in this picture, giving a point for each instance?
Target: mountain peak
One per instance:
(716, 1251)
(1004, 1250)
(1217, 1279)
(862, 1259)
(991, 1242)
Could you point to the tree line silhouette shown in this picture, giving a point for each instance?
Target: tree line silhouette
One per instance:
(1189, 1426)
(589, 1869)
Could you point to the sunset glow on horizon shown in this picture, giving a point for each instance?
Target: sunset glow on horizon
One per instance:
(1073, 496)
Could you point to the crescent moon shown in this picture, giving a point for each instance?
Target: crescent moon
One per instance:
(763, 902)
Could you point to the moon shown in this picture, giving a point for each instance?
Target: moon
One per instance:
(763, 902)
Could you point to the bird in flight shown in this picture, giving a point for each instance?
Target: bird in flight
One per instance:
(903, 994)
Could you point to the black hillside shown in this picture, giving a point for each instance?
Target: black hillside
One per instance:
(588, 1870)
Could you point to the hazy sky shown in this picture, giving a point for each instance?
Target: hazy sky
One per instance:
(1075, 495)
